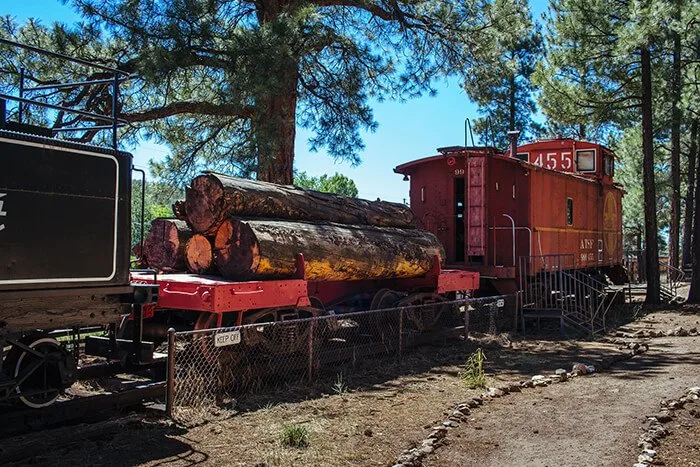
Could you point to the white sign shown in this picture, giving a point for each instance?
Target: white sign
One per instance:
(500, 303)
(227, 338)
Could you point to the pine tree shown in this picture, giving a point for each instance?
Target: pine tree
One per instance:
(225, 84)
(500, 85)
(599, 70)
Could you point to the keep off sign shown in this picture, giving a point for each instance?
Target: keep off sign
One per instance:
(227, 338)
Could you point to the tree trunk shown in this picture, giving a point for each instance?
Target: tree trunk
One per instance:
(690, 196)
(275, 128)
(164, 248)
(676, 116)
(199, 256)
(694, 295)
(512, 109)
(248, 249)
(651, 240)
(211, 198)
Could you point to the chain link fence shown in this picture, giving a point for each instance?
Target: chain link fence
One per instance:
(210, 370)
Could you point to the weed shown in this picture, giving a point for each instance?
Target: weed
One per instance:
(473, 375)
(295, 436)
(339, 387)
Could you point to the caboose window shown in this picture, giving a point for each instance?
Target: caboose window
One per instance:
(569, 211)
(609, 165)
(585, 160)
(523, 156)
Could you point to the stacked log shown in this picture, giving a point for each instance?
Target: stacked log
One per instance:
(260, 248)
(243, 230)
(212, 198)
(164, 247)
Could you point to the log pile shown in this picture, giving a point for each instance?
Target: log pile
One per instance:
(243, 230)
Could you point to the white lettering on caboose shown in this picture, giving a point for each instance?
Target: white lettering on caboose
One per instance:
(3, 213)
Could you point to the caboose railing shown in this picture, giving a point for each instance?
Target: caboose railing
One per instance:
(552, 287)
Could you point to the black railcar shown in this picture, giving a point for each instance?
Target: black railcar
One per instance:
(65, 236)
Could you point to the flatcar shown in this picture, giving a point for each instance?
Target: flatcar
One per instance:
(491, 208)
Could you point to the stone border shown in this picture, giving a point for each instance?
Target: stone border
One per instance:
(678, 331)
(414, 456)
(656, 431)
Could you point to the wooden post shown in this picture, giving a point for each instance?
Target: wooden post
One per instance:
(170, 375)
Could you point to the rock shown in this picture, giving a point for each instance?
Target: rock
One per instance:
(495, 392)
(649, 452)
(463, 409)
(473, 404)
(694, 391)
(514, 387)
(693, 331)
(538, 378)
(505, 388)
(368, 432)
(590, 368)
(556, 379)
(579, 369)
(425, 450)
(662, 417)
(429, 442)
(526, 384)
(676, 404)
(561, 372)
(438, 432)
(450, 424)
(644, 459)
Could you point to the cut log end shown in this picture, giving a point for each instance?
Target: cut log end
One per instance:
(204, 203)
(164, 245)
(198, 254)
(236, 249)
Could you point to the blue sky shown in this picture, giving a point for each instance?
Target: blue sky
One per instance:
(406, 131)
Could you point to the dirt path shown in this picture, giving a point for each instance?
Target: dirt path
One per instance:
(594, 420)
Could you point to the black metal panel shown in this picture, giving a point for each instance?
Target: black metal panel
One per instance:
(64, 214)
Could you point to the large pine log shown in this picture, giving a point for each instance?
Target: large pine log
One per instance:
(164, 248)
(199, 256)
(247, 249)
(211, 198)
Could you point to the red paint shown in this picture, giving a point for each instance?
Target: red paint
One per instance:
(215, 295)
(500, 188)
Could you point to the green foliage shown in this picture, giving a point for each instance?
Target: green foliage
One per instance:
(339, 387)
(500, 84)
(473, 374)
(158, 203)
(223, 83)
(295, 436)
(338, 184)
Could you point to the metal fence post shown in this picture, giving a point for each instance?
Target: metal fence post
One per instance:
(400, 353)
(312, 329)
(466, 321)
(170, 375)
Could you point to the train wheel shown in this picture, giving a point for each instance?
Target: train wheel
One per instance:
(39, 369)
(429, 309)
(281, 339)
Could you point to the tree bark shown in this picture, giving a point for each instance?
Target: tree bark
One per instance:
(257, 249)
(199, 257)
(651, 228)
(676, 116)
(164, 248)
(211, 198)
(694, 295)
(275, 127)
(690, 196)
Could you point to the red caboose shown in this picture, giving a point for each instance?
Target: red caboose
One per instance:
(490, 209)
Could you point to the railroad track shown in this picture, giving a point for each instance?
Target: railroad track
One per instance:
(83, 409)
